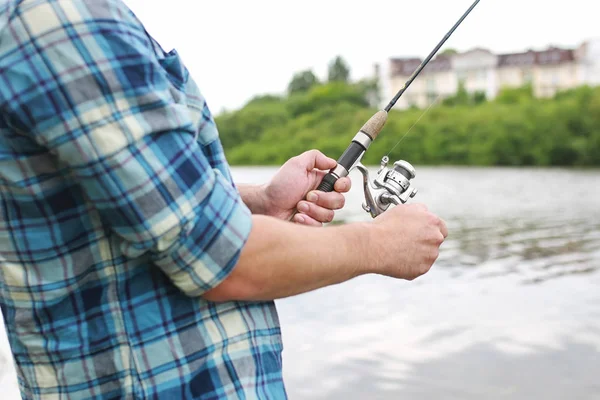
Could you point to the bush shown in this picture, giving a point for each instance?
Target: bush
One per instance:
(514, 129)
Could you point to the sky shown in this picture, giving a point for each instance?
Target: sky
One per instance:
(236, 50)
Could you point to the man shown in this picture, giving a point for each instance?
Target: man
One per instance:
(130, 265)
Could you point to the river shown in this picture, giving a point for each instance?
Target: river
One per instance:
(511, 309)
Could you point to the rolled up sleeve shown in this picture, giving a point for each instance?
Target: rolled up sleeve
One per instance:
(97, 97)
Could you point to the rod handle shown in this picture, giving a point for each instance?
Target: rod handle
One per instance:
(328, 183)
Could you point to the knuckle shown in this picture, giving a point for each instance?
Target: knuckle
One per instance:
(313, 153)
(301, 159)
(433, 255)
(433, 219)
(440, 238)
(435, 236)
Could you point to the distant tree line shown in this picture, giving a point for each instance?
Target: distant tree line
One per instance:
(514, 129)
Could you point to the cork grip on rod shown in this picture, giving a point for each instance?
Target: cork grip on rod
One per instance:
(375, 124)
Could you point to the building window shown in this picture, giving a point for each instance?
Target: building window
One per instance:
(431, 97)
(430, 85)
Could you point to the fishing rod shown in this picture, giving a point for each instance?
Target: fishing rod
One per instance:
(391, 185)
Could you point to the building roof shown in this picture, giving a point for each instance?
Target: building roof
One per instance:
(515, 59)
(550, 56)
(477, 50)
(406, 66)
(438, 64)
(555, 56)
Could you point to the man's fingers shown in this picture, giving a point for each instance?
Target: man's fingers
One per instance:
(331, 200)
(315, 211)
(306, 220)
(443, 228)
(315, 159)
(343, 185)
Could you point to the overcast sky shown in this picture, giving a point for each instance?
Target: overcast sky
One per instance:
(238, 49)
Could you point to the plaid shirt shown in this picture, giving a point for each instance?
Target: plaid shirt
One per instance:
(117, 211)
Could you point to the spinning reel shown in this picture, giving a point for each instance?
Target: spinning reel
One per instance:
(390, 186)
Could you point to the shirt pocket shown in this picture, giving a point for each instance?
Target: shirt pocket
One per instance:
(175, 70)
(187, 92)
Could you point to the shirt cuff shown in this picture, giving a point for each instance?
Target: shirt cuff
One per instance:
(207, 254)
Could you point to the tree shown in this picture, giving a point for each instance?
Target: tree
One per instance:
(449, 52)
(515, 95)
(339, 70)
(463, 98)
(371, 91)
(460, 98)
(479, 97)
(302, 82)
(264, 99)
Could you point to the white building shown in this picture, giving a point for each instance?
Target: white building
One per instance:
(589, 54)
(479, 70)
(436, 78)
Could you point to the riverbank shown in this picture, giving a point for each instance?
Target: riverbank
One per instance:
(513, 130)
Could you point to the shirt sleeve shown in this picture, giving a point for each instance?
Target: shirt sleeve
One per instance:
(84, 81)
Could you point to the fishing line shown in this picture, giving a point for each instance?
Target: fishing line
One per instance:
(415, 124)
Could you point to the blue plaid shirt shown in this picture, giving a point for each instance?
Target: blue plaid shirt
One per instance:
(117, 212)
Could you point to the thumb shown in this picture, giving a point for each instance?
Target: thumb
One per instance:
(315, 159)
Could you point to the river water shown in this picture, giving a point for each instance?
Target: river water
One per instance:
(511, 309)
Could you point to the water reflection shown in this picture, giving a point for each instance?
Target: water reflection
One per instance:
(536, 250)
(501, 376)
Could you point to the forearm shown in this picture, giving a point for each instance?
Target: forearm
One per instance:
(253, 197)
(282, 259)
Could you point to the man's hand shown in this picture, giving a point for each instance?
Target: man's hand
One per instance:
(406, 241)
(297, 180)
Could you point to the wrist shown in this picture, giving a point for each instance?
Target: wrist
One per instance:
(255, 198)
(358, 245)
